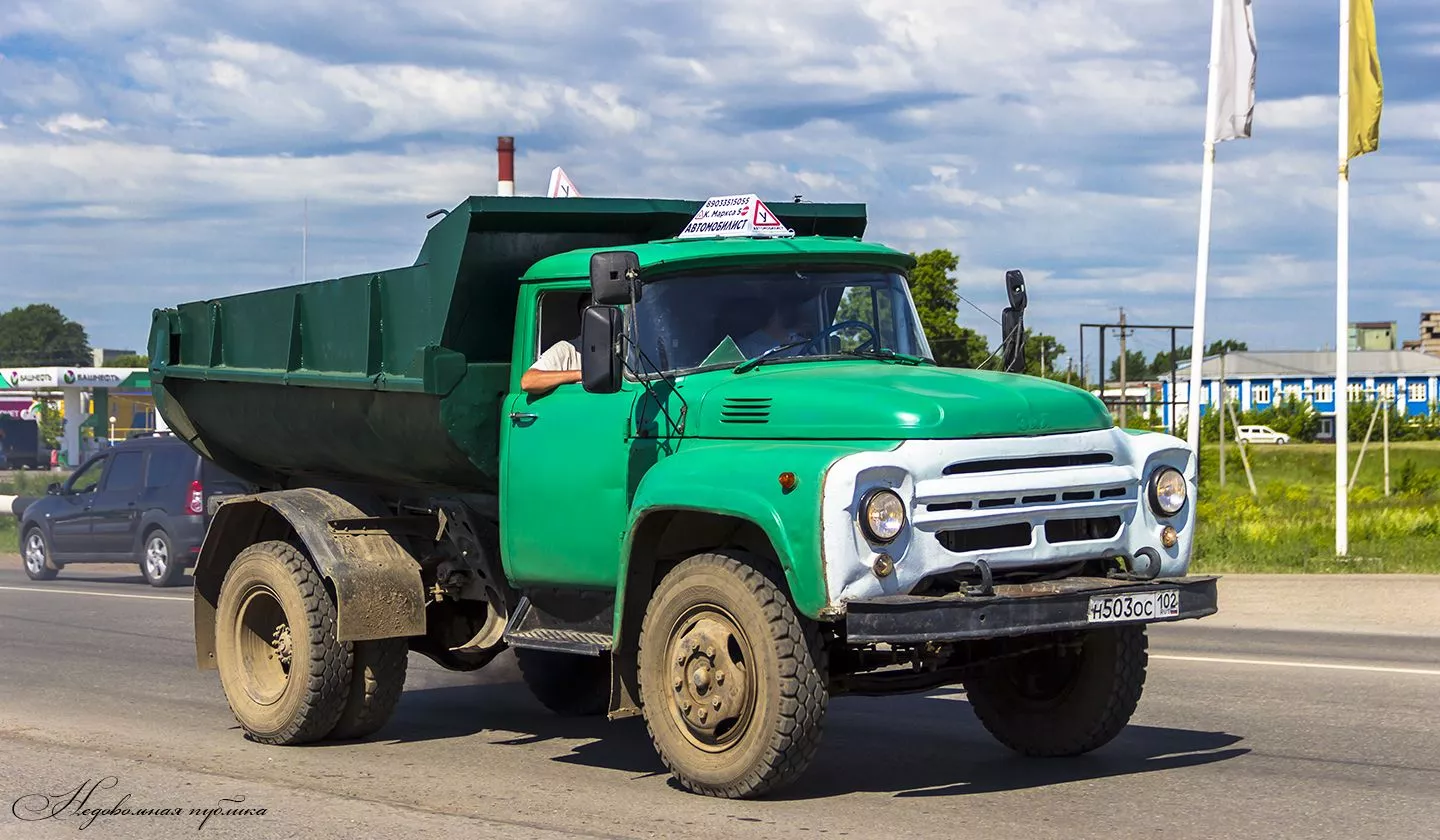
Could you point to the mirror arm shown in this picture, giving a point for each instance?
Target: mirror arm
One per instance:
(678, 428)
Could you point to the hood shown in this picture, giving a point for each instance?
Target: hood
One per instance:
(876, 400)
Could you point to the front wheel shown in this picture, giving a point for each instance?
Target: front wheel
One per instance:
(37, 556)
(286, 676)
(1065, 699)
(732, 680)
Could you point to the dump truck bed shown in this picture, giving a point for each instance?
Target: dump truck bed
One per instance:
(396, 377)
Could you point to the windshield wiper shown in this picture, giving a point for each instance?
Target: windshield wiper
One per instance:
(886, 353)
(751, 364)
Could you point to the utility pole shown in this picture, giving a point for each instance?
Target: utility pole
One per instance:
(1044, 345)
(1385, 424)
(305, 243)
(1123, 394)
(1220, 399)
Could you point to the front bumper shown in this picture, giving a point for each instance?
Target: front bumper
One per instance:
(1014, 610)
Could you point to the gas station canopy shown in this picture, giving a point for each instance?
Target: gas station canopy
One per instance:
(73, 383)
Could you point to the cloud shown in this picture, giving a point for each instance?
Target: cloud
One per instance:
(175, 142)
(74, 124)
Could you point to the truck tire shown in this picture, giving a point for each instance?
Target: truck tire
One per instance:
(377, 679)
(732, 680)
(1063, 702)
(568, 684)
(286, 676)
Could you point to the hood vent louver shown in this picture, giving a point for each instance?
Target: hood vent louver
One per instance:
(745, 410)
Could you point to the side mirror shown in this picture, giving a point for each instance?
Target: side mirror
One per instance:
(53, 489)
(1012, 323)
(614, 277)
(600, 352)
(1015, 289)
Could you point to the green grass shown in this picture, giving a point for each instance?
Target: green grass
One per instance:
(1291, 527)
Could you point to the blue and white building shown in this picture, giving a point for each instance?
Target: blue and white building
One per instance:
(1257, 380)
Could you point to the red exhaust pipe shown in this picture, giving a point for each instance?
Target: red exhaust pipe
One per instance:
(505, 150)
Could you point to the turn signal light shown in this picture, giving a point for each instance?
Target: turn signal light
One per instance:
(787, 481)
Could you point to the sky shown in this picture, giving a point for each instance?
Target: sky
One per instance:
(159, 151)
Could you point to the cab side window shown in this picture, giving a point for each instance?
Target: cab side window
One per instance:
(559, 318)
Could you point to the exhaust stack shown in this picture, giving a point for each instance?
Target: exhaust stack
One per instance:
(505, 151)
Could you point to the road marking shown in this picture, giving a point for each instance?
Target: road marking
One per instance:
(96, 594)
(1281, 663)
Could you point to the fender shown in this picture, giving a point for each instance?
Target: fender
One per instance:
(741, 480)
(377, 586)
(153, 516)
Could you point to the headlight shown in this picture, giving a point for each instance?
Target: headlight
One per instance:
(882, 515)
(1167, 491)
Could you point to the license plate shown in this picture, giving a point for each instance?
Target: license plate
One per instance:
(1134, 606)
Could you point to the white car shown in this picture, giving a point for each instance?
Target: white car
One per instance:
(1260, 434)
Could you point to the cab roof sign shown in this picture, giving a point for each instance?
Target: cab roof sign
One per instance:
(739, 216)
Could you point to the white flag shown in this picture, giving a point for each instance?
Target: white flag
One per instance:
(561, 186)
(1235, 104)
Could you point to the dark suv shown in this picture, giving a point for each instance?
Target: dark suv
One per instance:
(147, 500)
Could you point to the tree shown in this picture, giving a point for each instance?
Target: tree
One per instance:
(129, 360)
(1161, 366)
(938, 303)
(52, 424)
(1136, 368)
(1038, 345)
(38, 335)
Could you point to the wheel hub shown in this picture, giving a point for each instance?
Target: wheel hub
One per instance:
(155, 557)
(281, 644)
(35, 553)
(266, 646)
(711, 695)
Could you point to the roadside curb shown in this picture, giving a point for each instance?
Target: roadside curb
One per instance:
(1392, 605)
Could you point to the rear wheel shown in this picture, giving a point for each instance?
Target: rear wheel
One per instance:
(568, 684)
(732, 680)
(1063, 700)
(377, 680)
(37, 556)
(157, 560)
(286, 676)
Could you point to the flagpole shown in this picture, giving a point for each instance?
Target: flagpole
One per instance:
(1342, 296)
(1202, 259)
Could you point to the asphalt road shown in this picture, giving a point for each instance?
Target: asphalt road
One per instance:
(1256, 734)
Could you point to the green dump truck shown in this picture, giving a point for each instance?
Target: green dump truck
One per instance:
(756, 492)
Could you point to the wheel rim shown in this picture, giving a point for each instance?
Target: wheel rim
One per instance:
(35, 552)
(264, 645)
(712, 684)
(157, 557)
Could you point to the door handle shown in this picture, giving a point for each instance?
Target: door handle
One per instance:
(521, 418)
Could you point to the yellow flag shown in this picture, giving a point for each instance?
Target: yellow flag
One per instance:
(1367, 92)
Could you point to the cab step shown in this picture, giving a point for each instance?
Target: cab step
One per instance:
(581, 631)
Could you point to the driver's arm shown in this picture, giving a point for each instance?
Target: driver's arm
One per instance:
(544, 381)
(558, 365)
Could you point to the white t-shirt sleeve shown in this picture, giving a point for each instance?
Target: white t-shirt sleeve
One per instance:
(562, 355)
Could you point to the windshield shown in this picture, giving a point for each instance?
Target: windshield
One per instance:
(699, 321)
